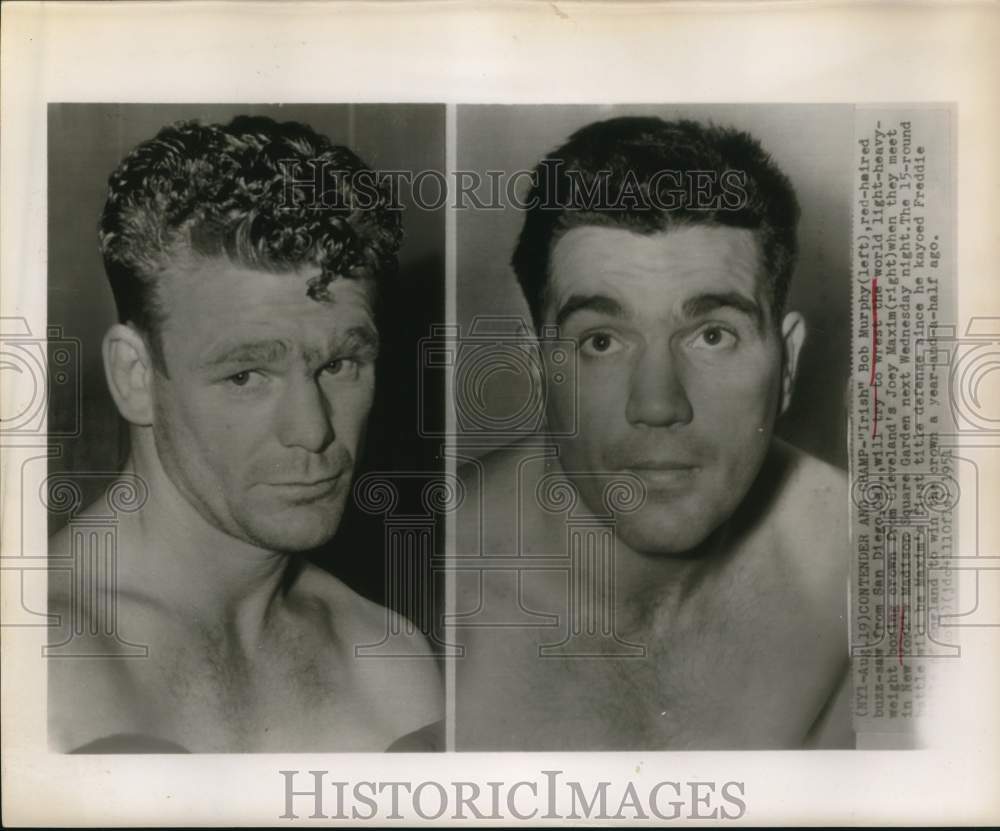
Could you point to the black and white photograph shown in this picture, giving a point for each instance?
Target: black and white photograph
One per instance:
(658, 557)
(245, 296)
(516, 413)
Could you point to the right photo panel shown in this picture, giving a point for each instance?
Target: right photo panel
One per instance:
(668, 365)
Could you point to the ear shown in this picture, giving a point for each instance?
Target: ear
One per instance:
(128, 367)
(793, 335)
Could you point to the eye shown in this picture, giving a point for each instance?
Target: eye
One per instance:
(341, 366)
(246, 380)
(600, 343)
(714, 338)
(240, 379)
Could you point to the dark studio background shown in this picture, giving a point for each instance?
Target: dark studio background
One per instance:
(87, 141)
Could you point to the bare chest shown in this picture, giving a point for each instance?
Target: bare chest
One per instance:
(752, 672)
(293, 695)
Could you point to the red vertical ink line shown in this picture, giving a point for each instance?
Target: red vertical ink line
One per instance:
(871, 382)
(899, 646)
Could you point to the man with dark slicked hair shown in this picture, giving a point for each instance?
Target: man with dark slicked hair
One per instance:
(244, 364)
(662, 252)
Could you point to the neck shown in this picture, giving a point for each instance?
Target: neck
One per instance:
(170, 554)
(648, 584)
(643, 583)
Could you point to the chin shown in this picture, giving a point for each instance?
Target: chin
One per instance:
(296, 530)
(657, 535)
(292, 541)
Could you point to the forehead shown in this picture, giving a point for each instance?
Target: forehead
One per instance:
(204, 299)
(654, 271)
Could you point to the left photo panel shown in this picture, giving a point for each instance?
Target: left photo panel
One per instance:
(244, 466)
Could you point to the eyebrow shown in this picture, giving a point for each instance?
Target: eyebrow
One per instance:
(693, 307)
(362, 338)
(703, 304)
(272, 351)
(263, 352)
(598, 303)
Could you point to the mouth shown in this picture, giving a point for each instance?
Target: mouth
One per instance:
(309, 489)
(663, 474)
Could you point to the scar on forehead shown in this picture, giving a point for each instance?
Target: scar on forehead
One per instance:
(318, 288)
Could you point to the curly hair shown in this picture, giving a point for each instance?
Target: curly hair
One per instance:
(243, 191)
(630, 154)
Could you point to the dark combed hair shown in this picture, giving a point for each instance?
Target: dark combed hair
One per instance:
(236, 191)
(628, 153)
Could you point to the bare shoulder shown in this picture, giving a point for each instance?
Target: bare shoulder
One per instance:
(496, 474)
(814, 481)
(506, 465)
(90, 683)
(499, 488)
(814, 529)
(390, 661)
(354, 620)
(814, 520)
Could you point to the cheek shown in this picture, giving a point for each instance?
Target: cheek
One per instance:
(176, 421)
(208, 433)
(583, 448)
(350, 407)
(737, 419)
(739, 400)
(222, 423)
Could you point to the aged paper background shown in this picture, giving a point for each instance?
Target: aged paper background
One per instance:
(492, 53)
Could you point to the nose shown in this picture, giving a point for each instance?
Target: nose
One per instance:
(305, 419)
(657, 397)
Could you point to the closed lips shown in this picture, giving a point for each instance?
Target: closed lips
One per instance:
(309, 482)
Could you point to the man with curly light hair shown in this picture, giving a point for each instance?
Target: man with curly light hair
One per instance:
(245, 262)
